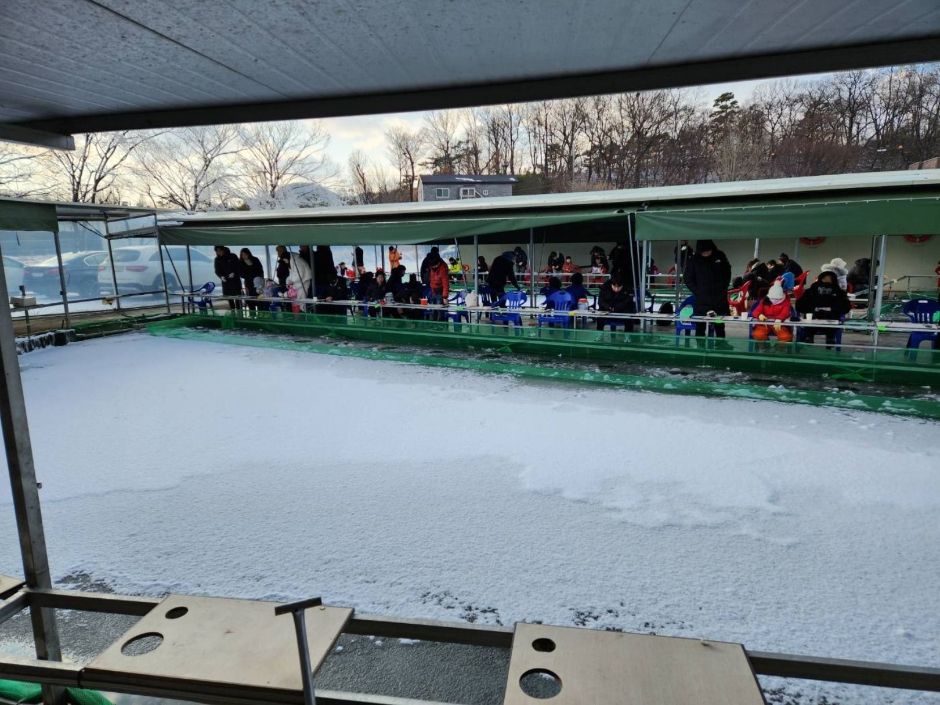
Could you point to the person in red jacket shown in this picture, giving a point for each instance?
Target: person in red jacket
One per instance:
(439, 282)
(773, 307)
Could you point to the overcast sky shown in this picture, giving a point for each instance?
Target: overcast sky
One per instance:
(367, 132)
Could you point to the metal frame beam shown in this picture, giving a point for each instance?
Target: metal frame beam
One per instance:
(36, 138)
(740, 68)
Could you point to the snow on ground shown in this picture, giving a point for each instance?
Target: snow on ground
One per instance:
(187, 466)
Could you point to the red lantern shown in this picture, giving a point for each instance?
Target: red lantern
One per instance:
(812, 241)
(917, 239)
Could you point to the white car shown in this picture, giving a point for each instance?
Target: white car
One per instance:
(137, 269)
(13, 273)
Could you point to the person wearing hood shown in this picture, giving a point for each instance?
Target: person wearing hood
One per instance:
(773, 307)
(789, 265)
(827, 301)
(838, 267)
(439, 283)
(859, 277)
(365, 283)
(228, 270)
(336, 290)
(425, 270)
(708, 274)
(501, 272)
(521, 259)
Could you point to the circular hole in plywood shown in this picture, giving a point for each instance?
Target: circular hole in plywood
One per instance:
(176, 612)
(142, 644)
(543, 644)
(540, 683)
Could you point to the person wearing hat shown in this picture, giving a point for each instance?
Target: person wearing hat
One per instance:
(773, 307)
(708, 275)
(827, 301)
(425, 271)
(840, 268)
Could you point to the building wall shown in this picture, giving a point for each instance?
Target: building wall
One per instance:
(427, 191)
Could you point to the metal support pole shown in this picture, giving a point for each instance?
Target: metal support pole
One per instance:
(531, 261)
(879, 281)
(298, 611)
(642, 296)
(189, 269)
(166, 289)
(476, 263)
(107, 237)
(313, 274)
(25, 492)
(462, 270)
(63, 292)
(678, 264)
(267, 259)
(756, 247)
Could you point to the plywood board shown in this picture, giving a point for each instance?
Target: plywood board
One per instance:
(221, 643)
(630, 669)
(9, 585)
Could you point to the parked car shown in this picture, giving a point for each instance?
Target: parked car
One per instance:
(13, 273)
(81, 275)
(137, 269)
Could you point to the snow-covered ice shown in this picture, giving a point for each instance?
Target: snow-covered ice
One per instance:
(187, 466)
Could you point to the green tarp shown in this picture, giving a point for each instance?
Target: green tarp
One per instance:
(23, 216)
(414, 231)
(836, 218)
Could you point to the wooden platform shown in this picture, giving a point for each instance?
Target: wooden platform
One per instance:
(210, 645)
(9, 585)
(604, 668)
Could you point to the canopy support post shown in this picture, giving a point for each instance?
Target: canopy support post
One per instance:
(313, 273)
(476, 263)
(531, 273)
(267, 259)
(25, 494)
(644, 258)
(756, 247)
(879, 280)
(678, 274)
(166, 289)
(189, 269)
(107, 237)
(64, 293)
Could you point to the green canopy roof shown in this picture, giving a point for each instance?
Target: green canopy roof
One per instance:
(845, 217)
(26, 216)
(361, 231)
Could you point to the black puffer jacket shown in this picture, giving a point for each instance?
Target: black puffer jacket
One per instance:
(501, 272)
(615, 302)
(708, 278)
(248, 272)
(825, 300)
(228, 270)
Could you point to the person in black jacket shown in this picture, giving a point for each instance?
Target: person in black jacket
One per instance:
(250, 270)
(336, 290)
(397, 279)
(708, 275)
(411, 293)
(501, 272)
(521, 258)
(826, 300)
(228, 270)
(614, 298)
(282, 270)
(324, 268)
(378, 288)
(790, 265)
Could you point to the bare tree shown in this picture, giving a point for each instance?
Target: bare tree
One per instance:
(18, 171)
(274, 155)
(189, 168)
(440, 134)
(405, 148)
(96, 169)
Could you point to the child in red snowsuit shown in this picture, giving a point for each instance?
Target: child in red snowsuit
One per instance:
(773, 307)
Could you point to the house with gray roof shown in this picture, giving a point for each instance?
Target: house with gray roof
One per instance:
(455, 187)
